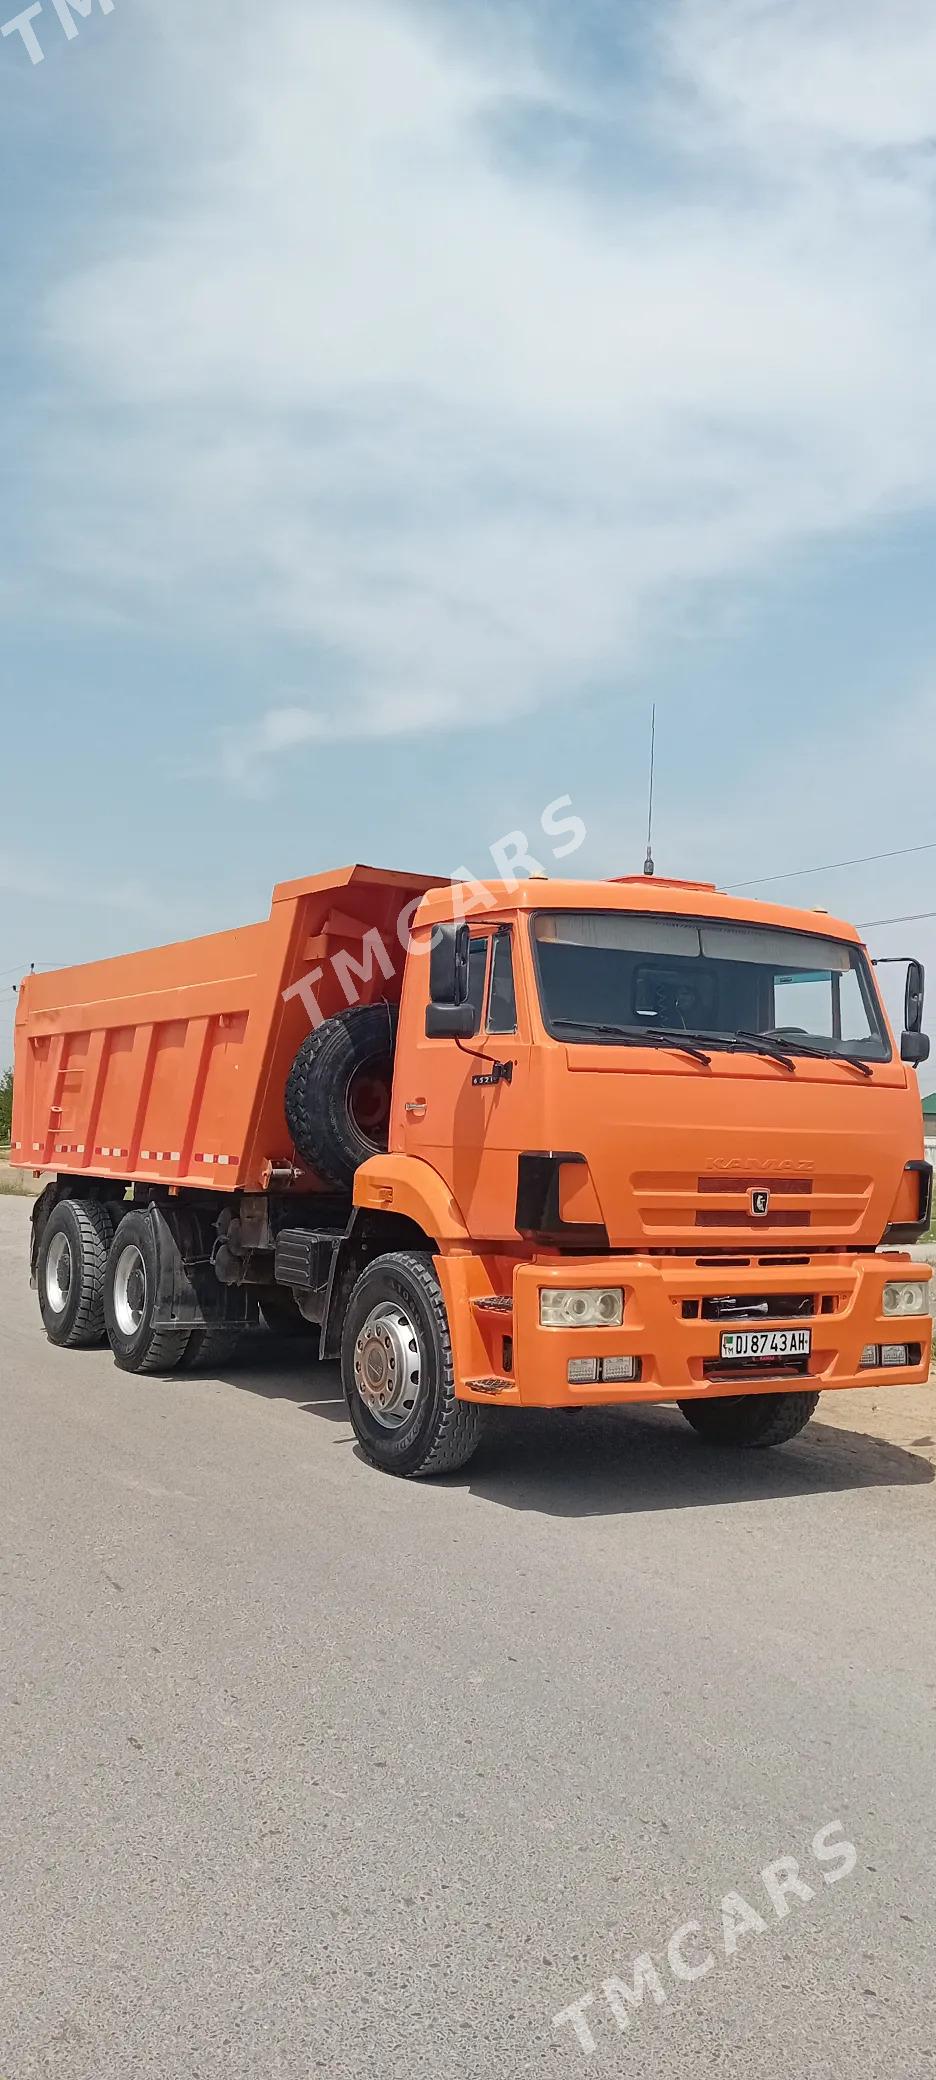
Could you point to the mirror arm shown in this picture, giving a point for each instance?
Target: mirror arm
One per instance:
(478, 1054)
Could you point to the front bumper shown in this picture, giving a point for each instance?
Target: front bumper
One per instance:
(680, 1351)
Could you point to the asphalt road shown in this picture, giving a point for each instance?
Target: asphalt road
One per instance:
(309, 1771)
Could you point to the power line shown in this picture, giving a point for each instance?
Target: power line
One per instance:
(23, 967)
(832, 866)
(913, 917)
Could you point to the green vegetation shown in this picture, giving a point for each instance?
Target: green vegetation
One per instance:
(6, 1107)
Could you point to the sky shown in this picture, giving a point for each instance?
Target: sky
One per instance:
(400, 396)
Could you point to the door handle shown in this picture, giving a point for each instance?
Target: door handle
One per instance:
(416, 1107)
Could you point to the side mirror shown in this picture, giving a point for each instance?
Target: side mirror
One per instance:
(913, 998)
(448, 965)
(449, 1016)
(450, 1021)
(914, 1047)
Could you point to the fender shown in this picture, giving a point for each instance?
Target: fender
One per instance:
(409, 1187)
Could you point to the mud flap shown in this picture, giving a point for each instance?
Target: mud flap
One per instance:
(189, 1295)
(41, 1210)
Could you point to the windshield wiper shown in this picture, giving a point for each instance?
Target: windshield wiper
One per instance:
(821, 1054)
(654, 1036)
(761, 1043)
(731, 1043)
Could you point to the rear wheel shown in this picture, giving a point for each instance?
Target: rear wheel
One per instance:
(397, 1371)
(212, 1348)
(70, 1273)
(751, 1420)
(131, 1289)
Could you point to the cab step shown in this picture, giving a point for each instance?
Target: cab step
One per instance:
(491, 1385)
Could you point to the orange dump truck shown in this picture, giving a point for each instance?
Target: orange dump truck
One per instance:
(541, 1145)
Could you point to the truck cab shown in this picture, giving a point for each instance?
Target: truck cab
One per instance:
(672, 1133)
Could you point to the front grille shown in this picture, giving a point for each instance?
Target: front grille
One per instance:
(805, 1212)
(786, 1187)
(745, 1307)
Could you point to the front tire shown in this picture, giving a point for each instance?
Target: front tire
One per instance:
(753, 1421)
(131, 1289)
(397, 1371)
(70, 1273)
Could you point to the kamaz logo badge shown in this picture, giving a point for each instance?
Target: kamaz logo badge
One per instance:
(760, 1201)
(787, 1167)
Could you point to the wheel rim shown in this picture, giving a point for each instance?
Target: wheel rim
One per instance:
(368, 1100)
(58, 1273)
(388, 1365)
(130, 1290)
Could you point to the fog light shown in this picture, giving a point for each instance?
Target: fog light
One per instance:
(905, 1296)
(894, 1354)
(581, 1307)
(620, 1368)
(871, 1355)
(583, 1372)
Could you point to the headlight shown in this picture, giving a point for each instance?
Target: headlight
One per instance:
(581, 1307)
(905, 1296)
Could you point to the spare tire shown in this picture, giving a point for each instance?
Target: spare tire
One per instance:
(338, 1090)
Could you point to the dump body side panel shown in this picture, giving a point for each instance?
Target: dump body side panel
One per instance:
(169, 1066)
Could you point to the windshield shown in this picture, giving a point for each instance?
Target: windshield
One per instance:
(719, 982)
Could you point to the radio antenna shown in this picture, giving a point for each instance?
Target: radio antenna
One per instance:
(649, 868)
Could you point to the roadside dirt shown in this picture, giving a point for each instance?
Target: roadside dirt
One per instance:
(904, 1416)
(18, 1184)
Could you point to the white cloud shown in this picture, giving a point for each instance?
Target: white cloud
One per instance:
(861, 76)
(466, 431)
(29, 880)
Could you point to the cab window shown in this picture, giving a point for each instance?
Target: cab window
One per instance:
(477, 973)
(502, 996)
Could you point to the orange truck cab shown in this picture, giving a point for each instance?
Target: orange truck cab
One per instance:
(549, 1144)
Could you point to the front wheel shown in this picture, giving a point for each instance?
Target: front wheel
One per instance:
(751, 1420)
(397, 1371)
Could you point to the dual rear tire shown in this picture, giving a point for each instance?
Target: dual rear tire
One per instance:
(71, 1273)
(98, 1283)
(131, 1283)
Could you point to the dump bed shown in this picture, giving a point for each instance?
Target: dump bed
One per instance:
(170, 1066)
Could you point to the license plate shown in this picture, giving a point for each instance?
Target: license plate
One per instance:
(766, 1343)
